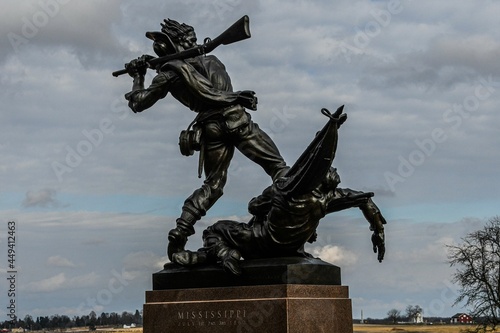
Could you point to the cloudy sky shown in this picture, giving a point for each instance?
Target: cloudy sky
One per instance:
(94, 188)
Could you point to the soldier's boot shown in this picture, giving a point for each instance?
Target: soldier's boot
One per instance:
(177, 237)
(189, 258)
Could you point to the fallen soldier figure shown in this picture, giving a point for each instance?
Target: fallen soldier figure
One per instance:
(287, 213)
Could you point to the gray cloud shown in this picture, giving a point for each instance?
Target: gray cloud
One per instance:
(398, 87)
(61, 282)
(45, 198)
(60, 261)
(445, 63)
(85, 28)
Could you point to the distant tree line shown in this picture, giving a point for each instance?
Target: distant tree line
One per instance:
(63, 322)
(412, 311)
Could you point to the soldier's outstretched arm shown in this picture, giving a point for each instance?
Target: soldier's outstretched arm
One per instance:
(346, 198)
(374, 217)
(140, 98)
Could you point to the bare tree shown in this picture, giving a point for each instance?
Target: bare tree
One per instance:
(393, 315)
(477, 260)
(413, 311)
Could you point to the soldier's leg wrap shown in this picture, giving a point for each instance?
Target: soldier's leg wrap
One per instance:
(177, 237)
(188, 218)
(217, 158)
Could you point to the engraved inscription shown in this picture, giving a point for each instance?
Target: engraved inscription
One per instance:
(210, 317)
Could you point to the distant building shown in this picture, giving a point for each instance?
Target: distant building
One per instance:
(418, 319)
(131, 326)
(461, 318)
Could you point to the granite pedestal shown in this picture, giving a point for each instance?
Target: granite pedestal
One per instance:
(289, 295)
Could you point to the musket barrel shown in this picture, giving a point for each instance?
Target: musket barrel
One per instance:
(119, 72)
(240, 30)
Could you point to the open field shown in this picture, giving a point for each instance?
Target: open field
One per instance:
(124, 330)
(366, 328)
(358, 328)
(99, 330)
(363, 329)
(119, 330)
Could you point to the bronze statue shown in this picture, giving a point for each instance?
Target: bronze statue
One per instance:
(201, 83)
(287, 213)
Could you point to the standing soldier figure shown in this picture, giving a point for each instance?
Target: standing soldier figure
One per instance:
(202, 84)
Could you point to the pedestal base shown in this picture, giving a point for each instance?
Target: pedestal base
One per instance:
(274, 295)
(269, 271)
(285, 308)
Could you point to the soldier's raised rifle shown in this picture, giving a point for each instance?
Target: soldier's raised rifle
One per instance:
(240, 30)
